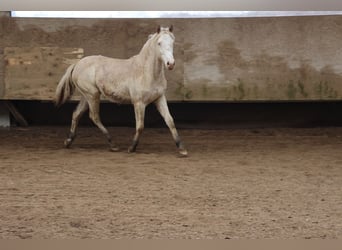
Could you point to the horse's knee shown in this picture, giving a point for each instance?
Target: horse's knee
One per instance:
(140, 129)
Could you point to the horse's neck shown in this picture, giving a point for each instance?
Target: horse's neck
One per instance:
(150, 61)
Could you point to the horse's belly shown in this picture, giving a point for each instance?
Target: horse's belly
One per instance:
(115, 94)
(114, 97)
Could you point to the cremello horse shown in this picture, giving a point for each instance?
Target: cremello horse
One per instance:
(139, 80)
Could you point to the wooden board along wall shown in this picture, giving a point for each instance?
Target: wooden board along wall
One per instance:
(33, 73)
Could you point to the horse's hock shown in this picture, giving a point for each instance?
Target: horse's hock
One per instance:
(226, 59)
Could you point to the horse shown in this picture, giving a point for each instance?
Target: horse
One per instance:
(138, 80)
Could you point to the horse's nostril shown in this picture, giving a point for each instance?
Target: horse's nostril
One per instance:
(168, 63)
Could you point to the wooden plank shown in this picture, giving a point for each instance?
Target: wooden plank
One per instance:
(16, 114)
(33, 73)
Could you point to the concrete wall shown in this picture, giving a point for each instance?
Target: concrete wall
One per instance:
(292, 58)
(235, 59)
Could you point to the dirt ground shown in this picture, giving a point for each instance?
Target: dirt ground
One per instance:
(236, 183)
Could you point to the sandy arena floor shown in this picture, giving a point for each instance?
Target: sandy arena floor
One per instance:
(236, 183)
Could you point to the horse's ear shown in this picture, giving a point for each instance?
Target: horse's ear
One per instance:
(171, 28)
(158, 29)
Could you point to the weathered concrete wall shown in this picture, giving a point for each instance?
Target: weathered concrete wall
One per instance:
(292, 58)
(238, 59)
(119, 38)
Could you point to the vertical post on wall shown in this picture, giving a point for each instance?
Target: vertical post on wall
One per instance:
(4, 116)
(4, 112)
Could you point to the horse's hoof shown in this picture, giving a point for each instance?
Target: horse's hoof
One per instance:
(131, 150)
(114, 149)
(183, 153)
(67, 142)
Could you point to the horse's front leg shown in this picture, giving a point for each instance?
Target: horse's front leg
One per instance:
(163, 109)
(139, 110)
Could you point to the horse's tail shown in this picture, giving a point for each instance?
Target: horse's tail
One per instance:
(65, 87)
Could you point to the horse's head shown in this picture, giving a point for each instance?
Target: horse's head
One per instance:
(165, 40)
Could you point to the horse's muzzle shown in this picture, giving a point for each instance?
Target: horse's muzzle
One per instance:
(170, 66)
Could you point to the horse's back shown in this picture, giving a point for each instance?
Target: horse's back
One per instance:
(104, 65)
(105, 75)
(93, 61)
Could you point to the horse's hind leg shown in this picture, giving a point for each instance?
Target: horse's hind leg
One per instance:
(94, 110)
(79, 111)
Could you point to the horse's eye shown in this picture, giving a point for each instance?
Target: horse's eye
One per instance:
(159, 43)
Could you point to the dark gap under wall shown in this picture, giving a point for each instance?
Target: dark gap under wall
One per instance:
(195, 115)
